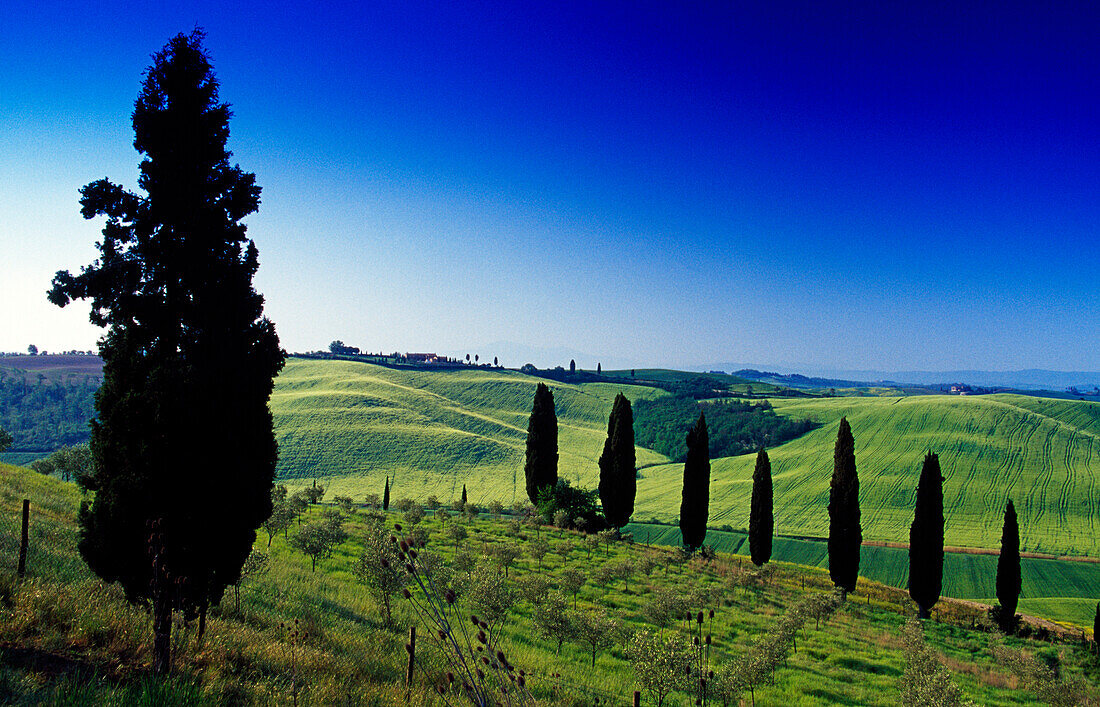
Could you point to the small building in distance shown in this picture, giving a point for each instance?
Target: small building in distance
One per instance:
(425, 358)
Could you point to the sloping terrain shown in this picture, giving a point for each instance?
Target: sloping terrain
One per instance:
(353, 424)
(1043, 454)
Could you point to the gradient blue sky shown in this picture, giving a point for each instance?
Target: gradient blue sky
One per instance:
(669, 184)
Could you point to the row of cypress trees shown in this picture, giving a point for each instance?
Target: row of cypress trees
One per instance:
(618, 488)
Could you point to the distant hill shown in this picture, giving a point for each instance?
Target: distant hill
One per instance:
(1025, 379)
(353, 424)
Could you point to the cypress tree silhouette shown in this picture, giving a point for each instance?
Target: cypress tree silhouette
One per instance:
(541, 466)
(572, 366)
(618, 465)
(188, 357)
(386, 496)
(926, 539)
(845, 533)
(761, 520)
(1008, 570)
(1096, 629)
(464, 494)
(695, 504)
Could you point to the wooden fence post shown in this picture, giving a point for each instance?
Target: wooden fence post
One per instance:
(23, 540)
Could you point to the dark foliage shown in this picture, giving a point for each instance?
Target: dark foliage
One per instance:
(386, 495)
(45, 416)
(695, 504)
(1008, 569)
(540, 467)
(188, 357)
(735, 427)
(464, 501)
(845, 533)
(618, 465)
(761, 521)
(926, 538)
(578, 503)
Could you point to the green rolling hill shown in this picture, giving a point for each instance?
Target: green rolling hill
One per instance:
(353, 424)
(1044, 454)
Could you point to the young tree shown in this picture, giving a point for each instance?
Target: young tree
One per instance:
(1008, 570)
(570, 581)
(926, 539)
(845, 533)
(314, 493)
(379, 567)
(282, 515)
(464, 501)
(595, 629)
(661, 663)
(695, 503)
(538, 550)
(490, 596)
(761, 522)
(552, 620)
(314, 539)
(188, 357)
(618, 465)
(541, 466)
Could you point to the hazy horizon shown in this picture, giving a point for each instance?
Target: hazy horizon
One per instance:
(867, 189)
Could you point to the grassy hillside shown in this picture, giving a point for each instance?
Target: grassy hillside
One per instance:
(67, 638)
(1059, 590)
(1044, 454)
(352, 424)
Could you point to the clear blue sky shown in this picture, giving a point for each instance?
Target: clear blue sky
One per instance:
(875, 188)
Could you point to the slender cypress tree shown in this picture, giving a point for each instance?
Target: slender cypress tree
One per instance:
(845, 533)
(1096, 629)
(386, 496)
(188, 356)
(463, 494)
(618, 465)
(695, 506)
(541, 465)
(1008, 569)
(761, 521)
(926, 539)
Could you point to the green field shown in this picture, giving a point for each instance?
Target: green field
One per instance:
(68, 638)
(1044, 454)
(353, 424)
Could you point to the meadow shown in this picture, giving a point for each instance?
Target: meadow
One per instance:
(353, 424)
(66, 637)
(1043, 454)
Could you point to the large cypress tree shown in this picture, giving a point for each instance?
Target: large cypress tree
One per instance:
(926, 539)
(541, 465)
(188, 357)
(1008, 569)
(695, 504)
(618, 465)
(845, 533)
(761, 521)
(386, 495)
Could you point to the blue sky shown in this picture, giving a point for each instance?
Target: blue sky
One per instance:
(667, 184)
